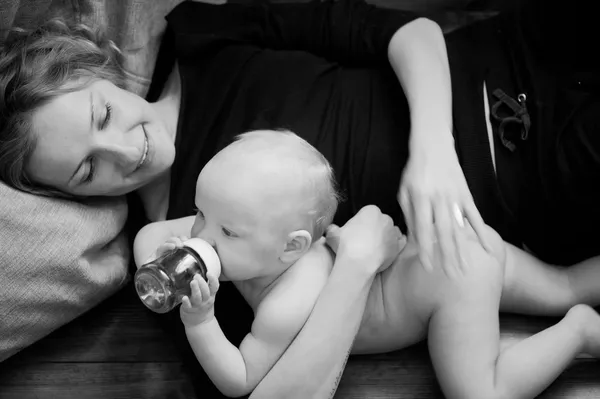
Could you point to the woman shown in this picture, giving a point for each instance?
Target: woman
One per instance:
(238, 69)
(418, 56)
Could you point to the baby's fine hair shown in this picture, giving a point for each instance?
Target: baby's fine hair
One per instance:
(316, 167)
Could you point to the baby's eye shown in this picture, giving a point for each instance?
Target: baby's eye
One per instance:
(199, 214)
(228, 233)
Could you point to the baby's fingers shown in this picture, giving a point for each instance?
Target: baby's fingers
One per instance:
(164, 248)
(213, 284)
(197, 296)
(200, 290)
(185, 303)
(445, 232)
(180, 240)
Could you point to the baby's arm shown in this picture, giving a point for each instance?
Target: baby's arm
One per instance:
(237, 372)
(153, 235)
(278, 319)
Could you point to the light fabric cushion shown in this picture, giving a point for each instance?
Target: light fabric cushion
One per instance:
(58, 259)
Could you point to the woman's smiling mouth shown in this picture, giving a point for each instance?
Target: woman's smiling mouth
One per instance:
(145, 153)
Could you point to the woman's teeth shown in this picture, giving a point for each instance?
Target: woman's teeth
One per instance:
(145, 152)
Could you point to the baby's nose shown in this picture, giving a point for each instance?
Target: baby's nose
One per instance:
(207, 238)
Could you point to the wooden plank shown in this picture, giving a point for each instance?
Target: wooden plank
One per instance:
(409, 374)
(396, 375)
(96, 380)
(119, 330)
(121, 350)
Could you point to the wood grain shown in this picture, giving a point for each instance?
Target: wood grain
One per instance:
(120, 350)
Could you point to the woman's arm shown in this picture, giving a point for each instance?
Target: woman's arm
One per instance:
(418, 55)
(434, 194)
(345, 31)
(313, 364)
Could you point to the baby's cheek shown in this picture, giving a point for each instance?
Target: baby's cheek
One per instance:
(196, 229)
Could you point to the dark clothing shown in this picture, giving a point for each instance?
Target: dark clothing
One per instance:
(321, 71)
(548, 167)
(245, 68)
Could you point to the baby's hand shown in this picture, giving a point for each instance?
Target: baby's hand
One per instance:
(199, 308)
(169, 245)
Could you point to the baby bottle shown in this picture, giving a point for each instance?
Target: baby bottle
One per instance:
(162, 283)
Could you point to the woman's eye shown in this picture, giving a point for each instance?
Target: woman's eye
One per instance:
(228, 233)
(90, 176)
(107, 116)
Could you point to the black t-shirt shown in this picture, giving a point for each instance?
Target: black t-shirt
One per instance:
(289, 67)
(545, 197)
(554, 52)
(321, 70)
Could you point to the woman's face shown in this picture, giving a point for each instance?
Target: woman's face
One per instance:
(100, 140)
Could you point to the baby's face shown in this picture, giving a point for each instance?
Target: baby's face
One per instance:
(242, 222)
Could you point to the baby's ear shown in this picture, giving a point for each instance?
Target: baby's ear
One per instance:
(297, 244)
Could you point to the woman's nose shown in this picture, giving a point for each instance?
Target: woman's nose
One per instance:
(123, 152)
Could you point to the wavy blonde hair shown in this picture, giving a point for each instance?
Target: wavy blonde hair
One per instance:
(36, 66)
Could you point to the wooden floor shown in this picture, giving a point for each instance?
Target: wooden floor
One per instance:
(121, 351)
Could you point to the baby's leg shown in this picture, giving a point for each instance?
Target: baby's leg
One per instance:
(464, 347)
(534, 287)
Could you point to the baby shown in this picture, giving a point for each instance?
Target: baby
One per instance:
(264, 202)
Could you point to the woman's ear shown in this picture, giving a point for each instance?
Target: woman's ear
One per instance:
(297, 244)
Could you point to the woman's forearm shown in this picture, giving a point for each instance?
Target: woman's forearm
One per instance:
(313, 364)
(418, 55)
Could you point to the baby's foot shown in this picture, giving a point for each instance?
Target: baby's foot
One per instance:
(590, 321)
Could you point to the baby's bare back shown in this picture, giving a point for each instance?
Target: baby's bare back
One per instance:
(397, 310)
(401, 301)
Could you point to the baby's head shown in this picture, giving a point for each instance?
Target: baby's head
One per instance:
(262, 201)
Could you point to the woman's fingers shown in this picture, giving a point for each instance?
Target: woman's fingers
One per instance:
(332, 237)
(443, 220)
(478, 224)
(445, 230)
(423, 221)
(407, 209)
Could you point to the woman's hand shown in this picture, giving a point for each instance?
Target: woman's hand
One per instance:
(370, 238)
(435, 200)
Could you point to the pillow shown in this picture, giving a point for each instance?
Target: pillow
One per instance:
(58, 259)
